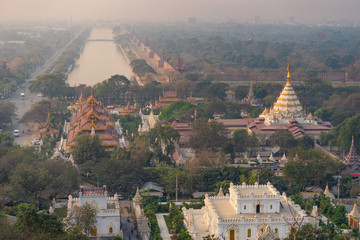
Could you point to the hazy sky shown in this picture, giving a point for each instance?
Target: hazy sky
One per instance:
(304, 11)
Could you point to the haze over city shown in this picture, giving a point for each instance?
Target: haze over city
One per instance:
(304, 11)
(179, 119)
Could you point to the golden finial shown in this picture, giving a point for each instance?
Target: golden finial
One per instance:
(288, 73)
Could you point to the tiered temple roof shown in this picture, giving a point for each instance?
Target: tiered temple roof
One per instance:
(251, 98)
(128, 110)
(352, 158)
(179, 65)
(91, 117)
(286, 108)
(167, 98)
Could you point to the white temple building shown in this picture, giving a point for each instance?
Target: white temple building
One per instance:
(147, 121)
(249, 212)
(107, 210)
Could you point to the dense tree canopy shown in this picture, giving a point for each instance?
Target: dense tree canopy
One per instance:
(7, 112)
(182, 111)
(310, 168)
(39, 111)
(112, 90)
(50, 84)
(87, 148)
(208, 135)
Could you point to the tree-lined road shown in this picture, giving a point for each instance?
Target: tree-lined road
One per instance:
(27, 133)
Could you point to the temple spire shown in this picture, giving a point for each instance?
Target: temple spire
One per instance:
(221, 193)
(352, 158)
(288, 74)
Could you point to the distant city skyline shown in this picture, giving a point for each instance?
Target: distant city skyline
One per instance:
(303, 11)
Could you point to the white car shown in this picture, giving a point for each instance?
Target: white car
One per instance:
(16, 133)
(35, 142)
(40, 95)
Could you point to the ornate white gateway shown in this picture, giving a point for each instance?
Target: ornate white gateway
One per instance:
(107, 210)
(248, 212)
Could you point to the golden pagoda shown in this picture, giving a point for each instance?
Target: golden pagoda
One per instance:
(91, 117)
(286, 108)
(288, 103)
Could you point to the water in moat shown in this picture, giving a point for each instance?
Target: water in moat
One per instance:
(99, 60)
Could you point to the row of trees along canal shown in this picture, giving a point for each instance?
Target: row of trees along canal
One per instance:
(115, 90)
(19, 61)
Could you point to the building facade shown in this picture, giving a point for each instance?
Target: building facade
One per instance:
(167, 98)
(107, 210)
(90, 117)
(248, 212)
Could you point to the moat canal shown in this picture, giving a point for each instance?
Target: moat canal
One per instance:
(99, 60)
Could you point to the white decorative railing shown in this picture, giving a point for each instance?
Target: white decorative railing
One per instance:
(281, 219)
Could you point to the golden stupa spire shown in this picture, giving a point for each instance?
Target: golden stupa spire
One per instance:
(288, 73)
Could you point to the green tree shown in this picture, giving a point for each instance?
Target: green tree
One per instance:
(7, 112)
(140, 67)
(64, 177)
(167, 176)
(39, 112)
(50, 84)
(243, 141)
(210, 177)
(306, 142)
(283, 138)
(208, 135)
(311, 232)
(140, 151)
(344, 132)
(7, 230)
(28, 182)
(83, 218)
(130, 124)
(112, 88)
(36, 225)
(215, 106)
(333, 62)
(162, 140)
(126, 177)
(74, 233)
(311, 168)
(181, 110)
(215, 90)
(87, 148)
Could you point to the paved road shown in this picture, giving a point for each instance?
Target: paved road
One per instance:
(27, 133)
(165, 235)
(127, 219)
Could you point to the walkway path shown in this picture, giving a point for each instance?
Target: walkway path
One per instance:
(165, 235)
(318, 147)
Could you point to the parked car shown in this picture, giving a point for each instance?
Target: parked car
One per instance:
(120, 197)
(16, 133)
(35, 142)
